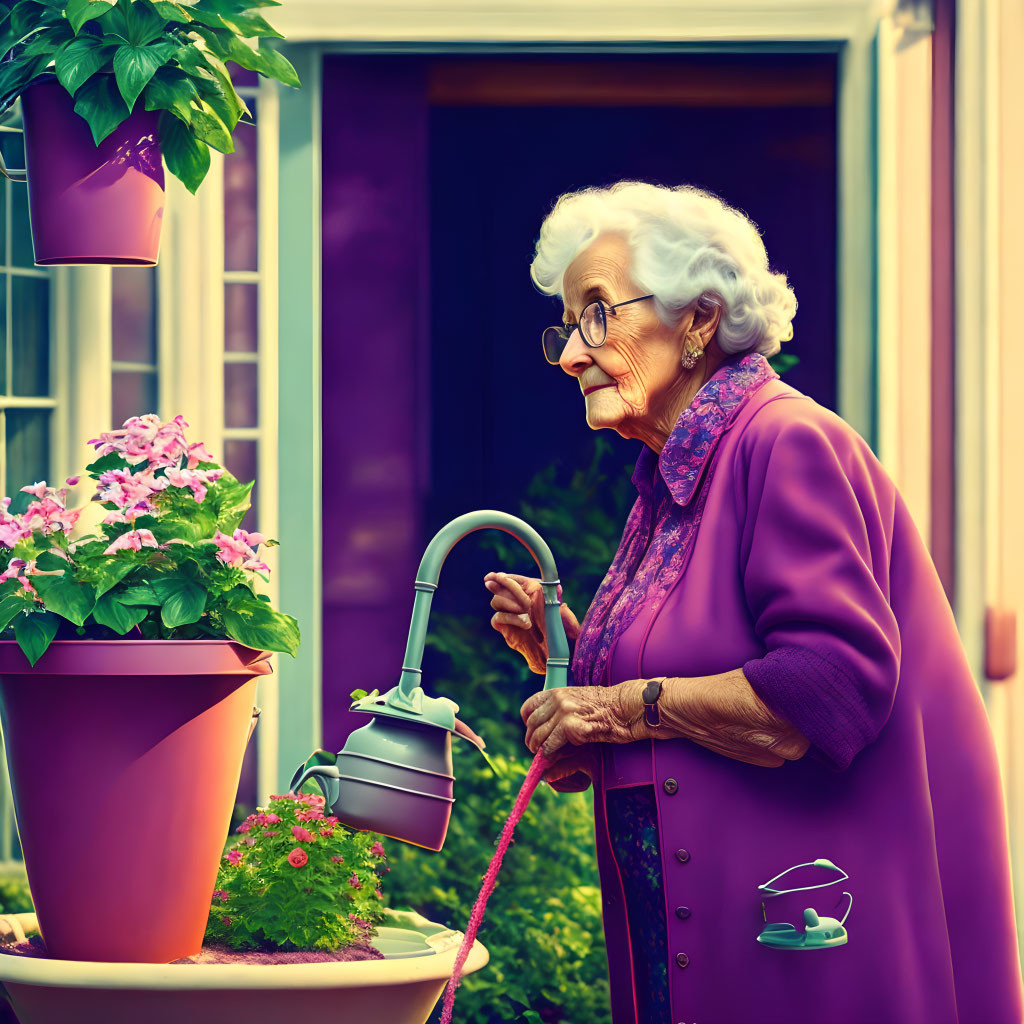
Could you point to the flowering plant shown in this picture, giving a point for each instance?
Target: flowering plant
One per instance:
(169, 560)
(297, 879)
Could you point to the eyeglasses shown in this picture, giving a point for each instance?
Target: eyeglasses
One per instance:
(593, 328)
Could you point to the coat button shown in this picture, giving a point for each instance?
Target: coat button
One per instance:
(671, 786)
(682, 959)
(682, 856)
(682, 913)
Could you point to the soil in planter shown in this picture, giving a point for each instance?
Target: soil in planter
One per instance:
(218, 953)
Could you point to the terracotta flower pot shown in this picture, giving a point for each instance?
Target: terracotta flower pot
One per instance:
(124, 759)
(91, 204)
(401, 989)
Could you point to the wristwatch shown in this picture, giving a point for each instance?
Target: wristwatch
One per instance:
(652, 713)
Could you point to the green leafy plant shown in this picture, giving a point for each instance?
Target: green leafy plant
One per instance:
(170, 560)
(15, 897)
(297, 879)
(168, 55)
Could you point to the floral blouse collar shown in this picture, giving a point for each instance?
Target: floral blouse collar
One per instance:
(697, 431)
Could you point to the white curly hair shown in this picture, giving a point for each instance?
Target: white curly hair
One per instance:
(686, 245)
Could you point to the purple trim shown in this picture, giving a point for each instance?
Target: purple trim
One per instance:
(821, 697)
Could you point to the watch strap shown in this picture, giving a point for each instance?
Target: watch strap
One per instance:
(652, 713)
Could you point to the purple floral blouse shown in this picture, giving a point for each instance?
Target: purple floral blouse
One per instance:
(665, 516)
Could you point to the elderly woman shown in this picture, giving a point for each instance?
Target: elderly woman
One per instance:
(769, 677)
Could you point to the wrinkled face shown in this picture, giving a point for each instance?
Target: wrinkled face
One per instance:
(629, 380)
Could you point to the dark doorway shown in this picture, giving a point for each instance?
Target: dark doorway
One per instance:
(437, 174)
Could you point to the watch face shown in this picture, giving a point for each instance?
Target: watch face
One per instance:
(652, 691)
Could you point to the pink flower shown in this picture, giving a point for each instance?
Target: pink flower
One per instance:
(268, 832)
(233, 857)
(72, 480)
(244, 827)
(310, 815)
(39, 490)
(272, 819)
(220, 894)
(195, 479)
(354, 881)
(249, 841)
(126, 489)
(146, 438)
(297, 858)
(12, 529)
(197, 453)
(377, 850)
(134, 540)
(235, 551)
(378, 894)
(301, 834)
(326, 833)
(338, 860)
(226, 920)
(128, 515)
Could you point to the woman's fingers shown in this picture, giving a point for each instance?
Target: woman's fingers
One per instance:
(511, 619)
(516, 587)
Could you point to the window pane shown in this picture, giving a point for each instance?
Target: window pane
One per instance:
(134, 315)
(28, 448)
(240, 199)
(241, 395)
(241, 317)
(3, 204)
(22, 254)
(3, 325)
(134, 394)
(30, 335)
(240, 457)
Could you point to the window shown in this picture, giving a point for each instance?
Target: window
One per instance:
(27, 394)
(27, 386)
(134, 342)
(242, 349)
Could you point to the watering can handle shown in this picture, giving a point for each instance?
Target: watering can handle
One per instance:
(324, 775)
(11, 175)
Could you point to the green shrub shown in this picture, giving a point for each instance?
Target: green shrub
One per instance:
(297, 879)
(15, 897)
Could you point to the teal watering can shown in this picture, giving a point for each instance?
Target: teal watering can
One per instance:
(394, 776)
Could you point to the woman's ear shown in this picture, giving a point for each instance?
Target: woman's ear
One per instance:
(706, 317)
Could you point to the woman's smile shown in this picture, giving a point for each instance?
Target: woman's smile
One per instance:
(597, 387)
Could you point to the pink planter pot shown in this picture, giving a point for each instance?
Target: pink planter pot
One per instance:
(91, 204)
(124, 759)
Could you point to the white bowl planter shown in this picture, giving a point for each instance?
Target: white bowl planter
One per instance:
(401, 989)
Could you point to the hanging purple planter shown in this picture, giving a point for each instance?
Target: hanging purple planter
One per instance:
(91, 204)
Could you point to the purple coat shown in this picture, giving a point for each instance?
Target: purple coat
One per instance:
(776, 542)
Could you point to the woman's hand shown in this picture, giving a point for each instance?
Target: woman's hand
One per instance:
(572, 716)
(518, 604)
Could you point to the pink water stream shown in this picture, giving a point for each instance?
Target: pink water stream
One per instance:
(533, 776)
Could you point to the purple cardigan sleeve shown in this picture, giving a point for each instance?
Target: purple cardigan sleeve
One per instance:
(817, 529)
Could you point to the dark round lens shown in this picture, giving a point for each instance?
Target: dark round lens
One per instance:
(594, 325)
(554, 344)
